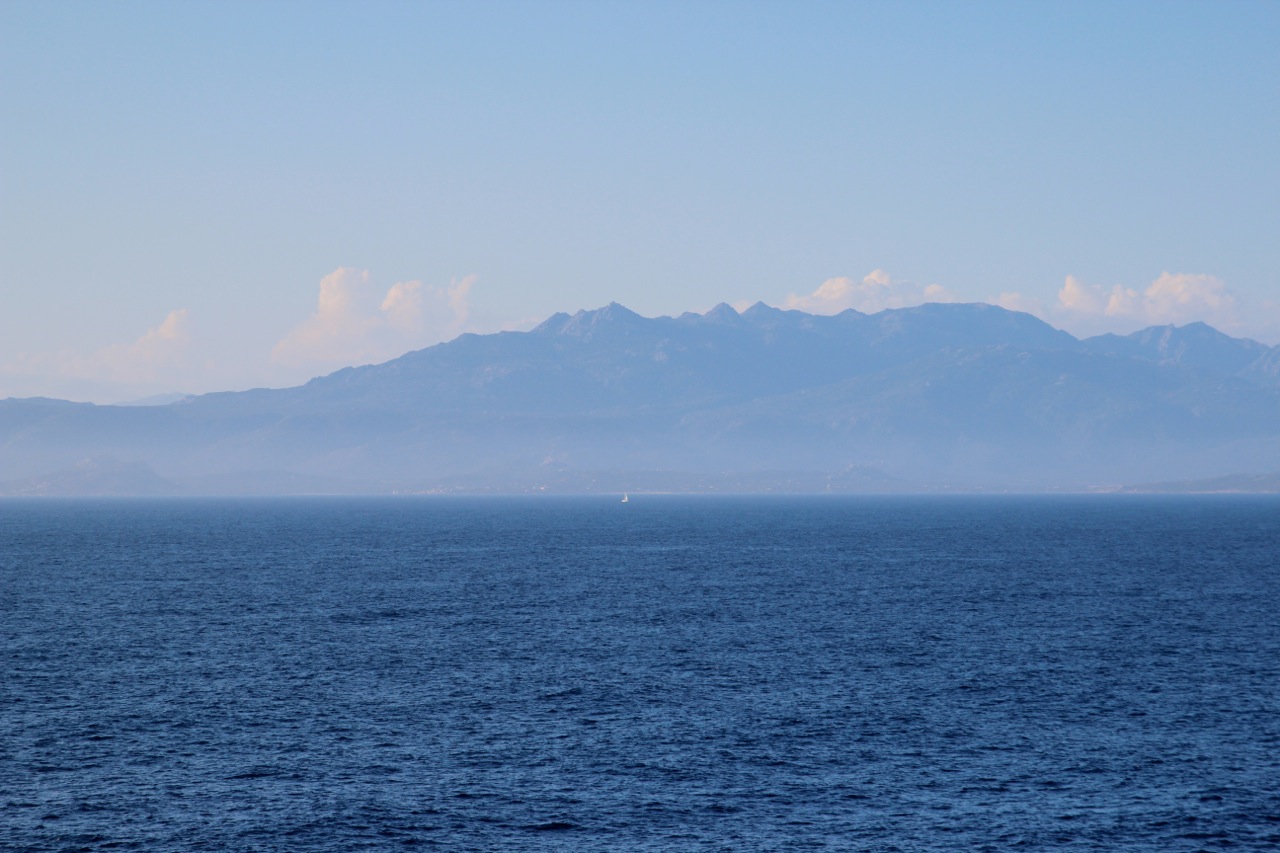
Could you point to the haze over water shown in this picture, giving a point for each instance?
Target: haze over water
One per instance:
(671, 674)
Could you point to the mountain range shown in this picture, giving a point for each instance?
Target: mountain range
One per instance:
(937, 397)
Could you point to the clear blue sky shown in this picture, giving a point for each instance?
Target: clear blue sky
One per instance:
(177, 179)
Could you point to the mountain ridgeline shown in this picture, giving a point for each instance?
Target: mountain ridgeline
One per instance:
(936, 397)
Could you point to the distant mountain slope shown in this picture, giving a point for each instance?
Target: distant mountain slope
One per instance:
(950, 395)
(1265, 370)
(1256, 484)
(601, 360)
(1021, 415)
(1195, 345)
(93, 477)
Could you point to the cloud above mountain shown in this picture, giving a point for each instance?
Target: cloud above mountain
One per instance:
(160, 357)
(1170, 299)
(150, 356)
(356, 322)
(876, 291)
(1175, 298)
(1080, 307)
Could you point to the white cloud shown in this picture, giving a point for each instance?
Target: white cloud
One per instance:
(158, 352)
(354, 323)
(1078, 297)
(1182, 298)
(159, 360)
(148, 359)
(875, 292)
(1018, 302)
(1082, 308)
(402, 306)
(1175, 298)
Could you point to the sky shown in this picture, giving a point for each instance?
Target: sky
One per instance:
(205, 196)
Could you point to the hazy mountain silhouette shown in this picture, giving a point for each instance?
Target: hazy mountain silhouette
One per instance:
(1195, 345)
(936, 396)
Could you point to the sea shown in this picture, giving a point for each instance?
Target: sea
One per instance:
(676, 673)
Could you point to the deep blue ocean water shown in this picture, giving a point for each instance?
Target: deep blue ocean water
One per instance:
(739, 674)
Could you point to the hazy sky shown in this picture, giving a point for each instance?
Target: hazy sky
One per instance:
(202, 196)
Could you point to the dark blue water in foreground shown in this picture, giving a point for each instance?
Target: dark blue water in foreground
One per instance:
(673, 674)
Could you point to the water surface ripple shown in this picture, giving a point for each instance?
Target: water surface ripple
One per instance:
(671, 674)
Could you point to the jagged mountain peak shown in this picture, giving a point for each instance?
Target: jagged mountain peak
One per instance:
(762, 310)
(723, 313)
(587, 323)
(1170, 333)
(552, 324)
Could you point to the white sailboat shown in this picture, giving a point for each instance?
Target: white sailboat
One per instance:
(625, 499)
